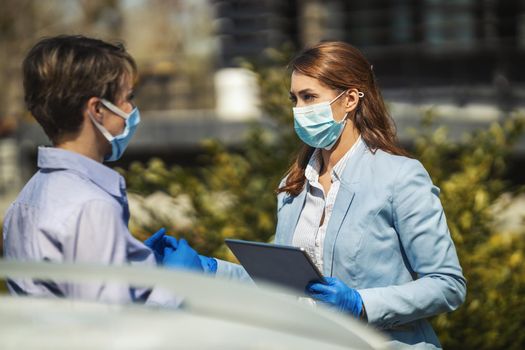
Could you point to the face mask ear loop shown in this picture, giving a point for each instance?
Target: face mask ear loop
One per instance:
(346, 114)
(115, 109)
(359, 93)
(100, 128)
(337, 97)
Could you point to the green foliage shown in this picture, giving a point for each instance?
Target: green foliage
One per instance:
(230, 196)
(233, 196)
(470, 175)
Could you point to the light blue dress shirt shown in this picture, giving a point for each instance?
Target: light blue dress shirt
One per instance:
(388, 238)
(75, 209)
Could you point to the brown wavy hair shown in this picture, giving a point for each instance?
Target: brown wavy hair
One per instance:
(341, 66)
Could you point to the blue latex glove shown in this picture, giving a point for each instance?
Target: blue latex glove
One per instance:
(337, 294)
(208, 264)
(156, 243)
(180, 255)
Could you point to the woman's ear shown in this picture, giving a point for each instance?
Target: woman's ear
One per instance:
(351, 100)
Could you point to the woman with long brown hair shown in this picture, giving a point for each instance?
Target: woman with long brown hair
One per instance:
(367, 214)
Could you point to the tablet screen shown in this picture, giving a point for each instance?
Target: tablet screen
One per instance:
(285, 265)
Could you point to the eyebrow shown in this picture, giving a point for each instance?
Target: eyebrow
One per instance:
(302, 91)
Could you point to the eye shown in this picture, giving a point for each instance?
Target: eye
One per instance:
(308, 98)
(131, 96)
(293, 99)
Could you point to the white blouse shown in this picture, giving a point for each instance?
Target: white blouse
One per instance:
(308, 234)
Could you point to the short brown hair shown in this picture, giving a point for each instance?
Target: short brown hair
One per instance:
(62, 73)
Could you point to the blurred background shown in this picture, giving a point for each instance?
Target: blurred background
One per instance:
(217, 135)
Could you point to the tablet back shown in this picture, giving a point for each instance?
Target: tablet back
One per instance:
(285, 265)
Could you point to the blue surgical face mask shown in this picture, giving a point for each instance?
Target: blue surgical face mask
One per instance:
(121, 141)
(315, 124)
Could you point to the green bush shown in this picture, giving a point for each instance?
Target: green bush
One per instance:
(233, 196)
(470, 174)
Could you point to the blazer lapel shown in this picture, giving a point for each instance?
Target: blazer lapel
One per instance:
(342, 203)
(345, 196)
(288, 218)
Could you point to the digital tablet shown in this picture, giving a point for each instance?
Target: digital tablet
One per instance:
(285, 265)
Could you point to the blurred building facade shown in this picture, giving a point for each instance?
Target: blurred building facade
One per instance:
(458, 52)
(463, 56)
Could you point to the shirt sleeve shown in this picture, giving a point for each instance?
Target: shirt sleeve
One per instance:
(103, 238)
(100, 238)
(420, 222)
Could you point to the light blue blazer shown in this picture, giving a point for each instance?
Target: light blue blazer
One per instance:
(388, 238)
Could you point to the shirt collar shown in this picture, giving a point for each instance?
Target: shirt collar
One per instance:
(102, 176)
(314, 164)
(341, 164)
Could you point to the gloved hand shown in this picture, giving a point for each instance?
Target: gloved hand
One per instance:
(337, 294)
(156, 243)
(180, 255)
(208, 264)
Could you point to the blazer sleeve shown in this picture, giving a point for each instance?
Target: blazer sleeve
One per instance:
(228, 270)
(422, 230)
